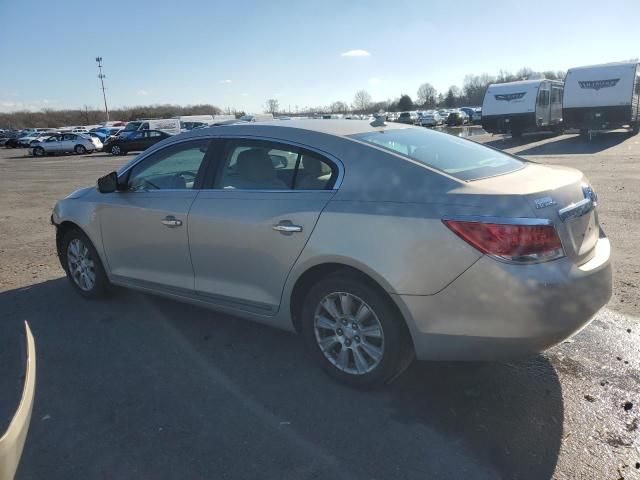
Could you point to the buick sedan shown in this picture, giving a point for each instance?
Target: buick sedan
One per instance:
(378, 243)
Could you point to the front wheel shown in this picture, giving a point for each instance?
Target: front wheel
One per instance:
(38, 152)
(80, 149)
(116, 150)
(82, 265)
(354, 333)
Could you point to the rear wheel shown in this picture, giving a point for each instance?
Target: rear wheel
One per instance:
(354, 333)
(80, 149)
(82, 265)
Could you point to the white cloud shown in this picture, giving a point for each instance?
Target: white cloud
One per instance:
(245, 94)
(355, 53)
(374, 81)
(225, 81)
(142, 92)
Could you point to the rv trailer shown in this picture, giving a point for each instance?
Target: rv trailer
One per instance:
(602, 97)
(523, 106)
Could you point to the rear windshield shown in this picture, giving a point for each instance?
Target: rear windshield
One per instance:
(463, 159)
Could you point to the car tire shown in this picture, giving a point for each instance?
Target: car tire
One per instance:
(116, 150)
(370, 360)
(38, 152)
(80, 149)
(82, 265)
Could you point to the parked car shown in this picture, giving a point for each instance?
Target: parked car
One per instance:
(65, 143)
(133, 141)
(457, 118)
(11, 138)
(12, 441)
(477, 116)
(431, 119)
(104, 132)
(409, 118)
(25, 140)
(416, 270)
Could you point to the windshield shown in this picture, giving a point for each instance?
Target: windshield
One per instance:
(460, 158)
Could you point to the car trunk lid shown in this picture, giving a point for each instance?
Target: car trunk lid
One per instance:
(559, 194)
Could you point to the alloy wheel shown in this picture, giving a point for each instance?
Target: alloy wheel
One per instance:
(349, 333)
(115, 150)
(81, 266)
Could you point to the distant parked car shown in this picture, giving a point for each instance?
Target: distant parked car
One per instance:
(430, 119)
(25, 140)
(457, 118)
(477, 116)
(133, 141)
(8, 137)
(65, 143)
(410, 118)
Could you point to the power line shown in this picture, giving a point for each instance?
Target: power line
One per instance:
(101, 76)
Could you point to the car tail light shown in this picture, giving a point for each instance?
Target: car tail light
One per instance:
(510, 241)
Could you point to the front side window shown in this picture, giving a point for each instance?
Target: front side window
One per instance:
(260, 165)
(172, 168)
(460, 158)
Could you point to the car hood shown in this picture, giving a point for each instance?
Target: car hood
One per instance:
(81, 192)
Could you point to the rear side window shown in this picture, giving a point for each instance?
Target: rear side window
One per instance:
(460, 158)
(264, 165)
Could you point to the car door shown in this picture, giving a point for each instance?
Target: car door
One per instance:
(151, 137)
(133, 141)
(144, 226)
(248, 229)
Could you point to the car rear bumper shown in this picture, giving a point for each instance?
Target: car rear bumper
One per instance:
(498, 310)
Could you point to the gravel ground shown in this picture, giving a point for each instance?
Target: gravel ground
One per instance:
(140, 387)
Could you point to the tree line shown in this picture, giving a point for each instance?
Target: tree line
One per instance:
(90, 116)
(471, 94)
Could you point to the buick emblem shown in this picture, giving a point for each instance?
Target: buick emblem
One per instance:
(507, 97)
(598, 84)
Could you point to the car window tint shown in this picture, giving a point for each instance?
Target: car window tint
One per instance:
(455, 156)
(256, 166)
(172, 168)
(313, 174)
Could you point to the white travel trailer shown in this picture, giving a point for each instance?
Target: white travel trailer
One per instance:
(602, 97)
(523, 106)
(168, 125)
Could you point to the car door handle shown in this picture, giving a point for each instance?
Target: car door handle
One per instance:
(171, 221)
(287, 228)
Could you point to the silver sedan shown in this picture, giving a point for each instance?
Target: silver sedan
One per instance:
(377, 242)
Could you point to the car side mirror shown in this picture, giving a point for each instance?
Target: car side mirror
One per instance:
(108, 183)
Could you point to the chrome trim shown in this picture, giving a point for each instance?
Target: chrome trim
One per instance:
(336, 161)
(499, 220)
(577, 209)
(286, 228)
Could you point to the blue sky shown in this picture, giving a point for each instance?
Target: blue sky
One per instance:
(239, 53)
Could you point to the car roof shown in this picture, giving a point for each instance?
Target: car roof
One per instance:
(337, 127)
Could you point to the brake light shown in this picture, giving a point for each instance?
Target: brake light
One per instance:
(519, 243)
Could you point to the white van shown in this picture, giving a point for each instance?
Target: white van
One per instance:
(602, 97)
(168, 125)
(524, 106)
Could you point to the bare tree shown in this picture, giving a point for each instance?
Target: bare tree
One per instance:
(427, 95)
(339, 107)
(361, 101)
(272, 106)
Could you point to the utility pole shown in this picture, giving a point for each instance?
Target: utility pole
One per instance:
(101, 76)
